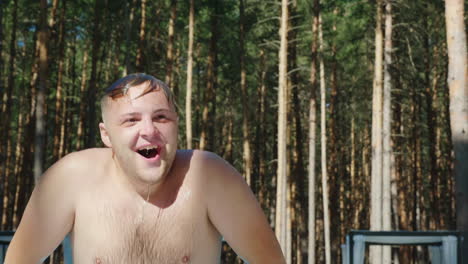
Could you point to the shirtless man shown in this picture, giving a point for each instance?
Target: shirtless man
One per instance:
(141, 200)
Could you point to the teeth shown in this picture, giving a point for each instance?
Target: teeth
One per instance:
(149, 151)
(149, 148)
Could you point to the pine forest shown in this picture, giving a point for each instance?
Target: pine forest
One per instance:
(340, 114)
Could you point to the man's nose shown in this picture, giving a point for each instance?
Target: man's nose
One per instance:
(148, 128)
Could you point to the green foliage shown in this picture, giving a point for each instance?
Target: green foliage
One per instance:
(348, 32)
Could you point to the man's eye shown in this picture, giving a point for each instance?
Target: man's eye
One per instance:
(130, 120)
(161, 117)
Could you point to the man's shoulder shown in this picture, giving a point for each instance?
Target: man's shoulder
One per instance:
(206, 166)
(91, 154)
(79, 163)
(197, 158)
(80, 159)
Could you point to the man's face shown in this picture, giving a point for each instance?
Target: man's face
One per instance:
(142, 132)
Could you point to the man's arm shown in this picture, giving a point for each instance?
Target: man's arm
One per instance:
(235, 212)
(48, 217)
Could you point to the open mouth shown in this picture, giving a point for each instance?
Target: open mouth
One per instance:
(149, 152)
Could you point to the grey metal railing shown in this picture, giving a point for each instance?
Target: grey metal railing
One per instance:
(444, 246)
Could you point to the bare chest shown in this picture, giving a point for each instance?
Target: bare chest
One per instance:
(110, 232)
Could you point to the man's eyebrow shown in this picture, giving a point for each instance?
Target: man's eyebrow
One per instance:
(130, 113)
(166, 111)
(162, 110)
(122, 116)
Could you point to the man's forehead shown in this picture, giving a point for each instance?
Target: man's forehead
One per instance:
(134, 100)
(135, 94)
(128, 90)
(140, 90)
(121, 86)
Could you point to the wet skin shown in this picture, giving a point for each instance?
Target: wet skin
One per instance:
(140, 200)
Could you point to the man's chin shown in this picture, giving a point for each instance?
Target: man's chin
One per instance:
(152, 176)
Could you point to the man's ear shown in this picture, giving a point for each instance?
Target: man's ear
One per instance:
(104, 135)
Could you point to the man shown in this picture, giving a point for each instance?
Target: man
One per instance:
(141, 200)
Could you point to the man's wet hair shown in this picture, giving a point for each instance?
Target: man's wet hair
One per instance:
(120, 88)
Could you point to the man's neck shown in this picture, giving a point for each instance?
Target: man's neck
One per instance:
(131, 183)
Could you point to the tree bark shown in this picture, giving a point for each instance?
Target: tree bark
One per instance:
(386, 132)
(335, 159)
(432, 24)
(53, 12)
(260, 148)
(447, 189)
(246, 153)
(39, 143)
(59, 98)
(188, 98)
(2, 5)
(282, 178)
(19, 153)
(170, 45)
(66, 121)
(130, 11)
(25, 129)
(140, 57)
(323, 140)
(209, 105)
(376, 189)
(363, 192)
(297, 177)
(90, 136)
(8, 94)
(6, 113)
(82, 114)
(312, 134)
(458, 86)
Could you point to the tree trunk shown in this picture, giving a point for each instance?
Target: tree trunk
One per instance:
(59, 98)
(363, 191)
(386, 133)
(282, 181)
(323, 142)
(30, 127)
(312, 133)
(458, 86)
(140, 57)
(447, 161)
(170, 45)
(130, 11)
(6, 113)
(7, 95)
(90, 136)
(2, 24)
(244, 97)
(53, 12)
(39, 143)
(2, 6)
(19, 153)
(22, 151)
(260, 148)
(335, 158)
(376, 189)
(352, 169)
(419, 212)
(297, 178)
(432, 75)
(82, 103)
(65, 124)
(188, 98)
(209, 105)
